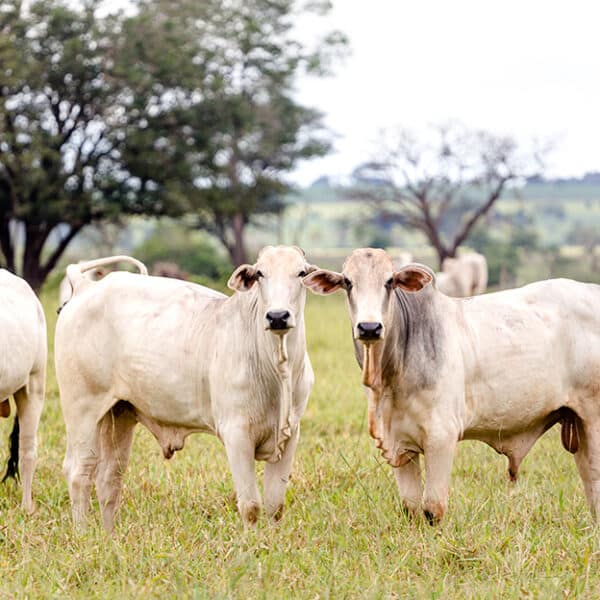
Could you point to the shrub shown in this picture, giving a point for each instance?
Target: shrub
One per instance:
(193, 251)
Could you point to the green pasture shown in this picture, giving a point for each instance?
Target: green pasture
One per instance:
(343, 535)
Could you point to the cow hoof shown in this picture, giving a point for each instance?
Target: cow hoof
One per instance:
(434, 512)
(275, 514)
(410, 510)
(250, 513)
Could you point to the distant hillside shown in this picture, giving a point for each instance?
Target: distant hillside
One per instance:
(327, 189)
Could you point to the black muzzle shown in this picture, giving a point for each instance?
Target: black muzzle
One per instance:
(278, 319)
(368, 331)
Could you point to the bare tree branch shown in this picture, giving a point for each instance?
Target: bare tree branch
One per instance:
(444, 186)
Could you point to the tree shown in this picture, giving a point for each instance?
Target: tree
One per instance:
(181, 107)
(241, 127)
(444, 185)
(63, 131)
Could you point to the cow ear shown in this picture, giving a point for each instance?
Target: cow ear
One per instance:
(413, 278)
(243, 278)
(323, 282)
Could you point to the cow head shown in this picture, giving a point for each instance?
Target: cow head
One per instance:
(277, 276)
(369, 278)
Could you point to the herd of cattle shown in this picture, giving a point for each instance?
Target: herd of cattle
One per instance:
(131, 348)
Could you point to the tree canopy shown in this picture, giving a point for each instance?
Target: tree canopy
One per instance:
(238, 127)
(182, 107)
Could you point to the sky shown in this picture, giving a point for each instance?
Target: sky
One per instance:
(526, 68)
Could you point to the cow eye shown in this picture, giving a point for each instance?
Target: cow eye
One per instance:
(347, 283)
(302, 274)
(390, 282)
(259, 274)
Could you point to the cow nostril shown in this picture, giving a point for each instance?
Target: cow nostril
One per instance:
(278, 319)
(278, 315)
(369, 330)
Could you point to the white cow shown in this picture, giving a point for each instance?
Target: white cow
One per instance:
(23, 355)
(401, 258)
(464, 276)
(181, 358)
(501, 368)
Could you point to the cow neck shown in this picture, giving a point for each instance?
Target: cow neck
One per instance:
(420, 338)
(412, 346)
(284, 357)
(403, 361)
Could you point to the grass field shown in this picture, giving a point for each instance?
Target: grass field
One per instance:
(343, 535)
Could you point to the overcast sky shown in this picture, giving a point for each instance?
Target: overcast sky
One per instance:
(523, 67)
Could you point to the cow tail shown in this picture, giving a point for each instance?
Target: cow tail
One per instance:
(12, 466)
(109, 260)
(75, 271)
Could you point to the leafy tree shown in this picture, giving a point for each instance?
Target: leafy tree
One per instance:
(444, 184)
(238, 128)
(182, 106)
(63, 131)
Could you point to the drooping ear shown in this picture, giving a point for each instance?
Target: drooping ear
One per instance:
(243, 278)
(323, 282)
(413, 278)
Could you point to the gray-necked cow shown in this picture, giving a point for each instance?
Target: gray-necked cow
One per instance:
(181, 358)
(500, 368)
(23, 355)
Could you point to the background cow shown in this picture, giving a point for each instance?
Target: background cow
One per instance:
(401, 258)
(165, 268)
(466, 275)
(501, 368)
(181, 358)
(23, 354)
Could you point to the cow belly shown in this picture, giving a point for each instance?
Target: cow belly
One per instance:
(167, 395)
(512, 403)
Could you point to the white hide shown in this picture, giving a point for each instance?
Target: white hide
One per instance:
(23, 354)
(185, 359)
(65, 291)
(501, 368)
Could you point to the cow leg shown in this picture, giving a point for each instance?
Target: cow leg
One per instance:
(410, 485)
(277, 477)
(438, 466)
(115, 441)
(240, 453)
(80, 464)
(29, 401)
(587, 459)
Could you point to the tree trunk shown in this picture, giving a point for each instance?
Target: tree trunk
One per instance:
(237, 250)
(441, 251)
(33, 272)
(6, 245)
